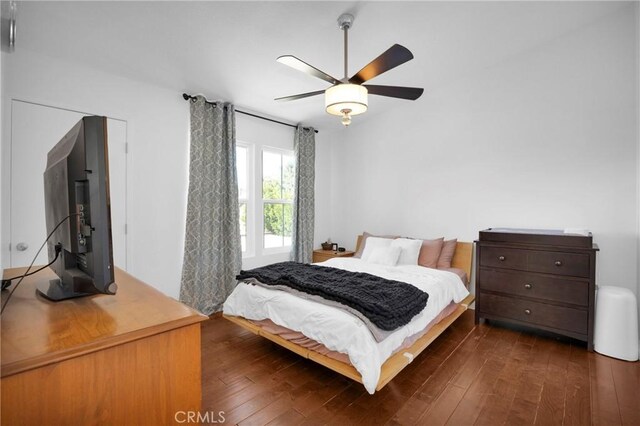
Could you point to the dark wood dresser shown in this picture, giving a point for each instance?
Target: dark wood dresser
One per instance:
(538, 278)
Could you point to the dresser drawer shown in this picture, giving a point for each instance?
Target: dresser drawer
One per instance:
(535, 286)
(549, 262)
(498, 257)
(535, 313)
(559, 263)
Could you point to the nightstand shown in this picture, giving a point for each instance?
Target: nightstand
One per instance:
(322, 255)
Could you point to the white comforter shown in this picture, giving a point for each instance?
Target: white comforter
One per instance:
(341, 331)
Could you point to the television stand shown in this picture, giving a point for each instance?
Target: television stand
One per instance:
(128, 358)
(55, 291)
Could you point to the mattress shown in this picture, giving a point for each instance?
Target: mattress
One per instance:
(341, 331)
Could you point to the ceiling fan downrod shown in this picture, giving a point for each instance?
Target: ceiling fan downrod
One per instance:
(345, 21)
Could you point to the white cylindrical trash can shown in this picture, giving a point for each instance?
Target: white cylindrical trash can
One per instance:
(616, 324)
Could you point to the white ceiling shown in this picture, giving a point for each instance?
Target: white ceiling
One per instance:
(227, 50)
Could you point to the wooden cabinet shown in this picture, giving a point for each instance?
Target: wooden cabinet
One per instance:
(131, 358)
(322, 255)
(538, 278)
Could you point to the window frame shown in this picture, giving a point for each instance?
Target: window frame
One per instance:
(262, 201)
(250, 200)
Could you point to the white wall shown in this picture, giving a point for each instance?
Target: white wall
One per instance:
(545, 139)
(3, 16)
(637, 17)
(2, 142)
(158, 125)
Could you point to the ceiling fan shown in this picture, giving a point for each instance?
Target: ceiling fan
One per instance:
(348, 97)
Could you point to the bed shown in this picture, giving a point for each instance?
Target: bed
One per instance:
(372, 363)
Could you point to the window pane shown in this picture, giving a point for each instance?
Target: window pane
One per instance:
(288, 223)
(271, 176)
(243, 226)
(288, 177)
(241, 168)
(273, 225)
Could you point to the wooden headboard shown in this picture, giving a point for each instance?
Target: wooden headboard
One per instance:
(461, 258)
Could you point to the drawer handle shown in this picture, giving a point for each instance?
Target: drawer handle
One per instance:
(527, 286)
(501, 258)
(527, 311)
(558, 263)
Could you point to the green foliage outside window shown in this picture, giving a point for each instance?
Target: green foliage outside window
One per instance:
(278, 217)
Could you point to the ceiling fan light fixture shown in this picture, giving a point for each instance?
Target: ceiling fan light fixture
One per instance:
(346, 96)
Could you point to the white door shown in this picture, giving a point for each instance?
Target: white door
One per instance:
(35, 129)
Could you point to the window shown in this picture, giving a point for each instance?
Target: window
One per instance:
(244, 173)
(265, 199)
(277, 198)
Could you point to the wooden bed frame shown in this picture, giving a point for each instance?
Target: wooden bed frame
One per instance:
(392, 366)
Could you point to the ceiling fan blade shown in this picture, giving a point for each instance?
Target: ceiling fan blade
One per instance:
(300, 96)
(411, 93)
(394, 56)
(300, 65)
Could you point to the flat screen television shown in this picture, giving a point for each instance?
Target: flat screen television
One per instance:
(78, 213)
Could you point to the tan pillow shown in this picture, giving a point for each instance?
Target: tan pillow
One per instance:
(446, 255)
(430, 252)
(366, 235)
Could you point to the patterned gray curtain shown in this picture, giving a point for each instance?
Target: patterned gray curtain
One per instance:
(212, 252)
(304, 147)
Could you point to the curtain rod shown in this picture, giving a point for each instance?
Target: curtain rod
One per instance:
(188, 97)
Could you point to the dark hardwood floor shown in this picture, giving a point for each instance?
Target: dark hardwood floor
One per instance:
(485, 375)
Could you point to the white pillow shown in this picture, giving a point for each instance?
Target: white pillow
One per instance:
(385, 255)
(410, 250)
(374, 243)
